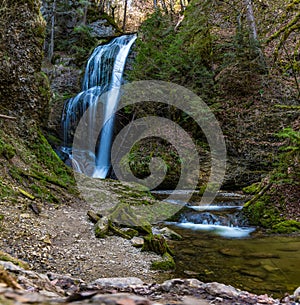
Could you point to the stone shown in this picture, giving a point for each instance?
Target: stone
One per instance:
(222, 290)
(137, 242)
(118, 282)
(166, 263)
(194, 283)
(255, 273)
(101, 227)
(169, 284)
(100, 29)
(170, 234)
(231, 252)
(270, 268)
(296, 294)
(262, 255)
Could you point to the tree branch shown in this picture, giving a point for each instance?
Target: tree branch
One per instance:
(7, 117)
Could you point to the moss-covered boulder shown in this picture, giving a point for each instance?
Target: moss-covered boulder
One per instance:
(166, 263)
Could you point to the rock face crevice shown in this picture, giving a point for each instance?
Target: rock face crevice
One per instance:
(24, 89)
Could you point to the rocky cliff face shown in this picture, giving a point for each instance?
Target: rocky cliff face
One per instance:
(24, 90)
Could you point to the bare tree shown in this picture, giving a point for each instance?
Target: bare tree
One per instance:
(250, 19)
(125, 15)
(52, 31)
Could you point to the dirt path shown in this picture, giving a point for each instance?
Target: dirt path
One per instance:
(61, 239)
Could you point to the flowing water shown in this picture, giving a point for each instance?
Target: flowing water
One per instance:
(219, 246)
(104, 72)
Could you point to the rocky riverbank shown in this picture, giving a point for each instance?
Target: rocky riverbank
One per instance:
(65, 262)
(19, 286)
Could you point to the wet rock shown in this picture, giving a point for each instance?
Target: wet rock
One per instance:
(231, 252)
(270, 268)
(170, 234)
(255, 273)
(262, 255)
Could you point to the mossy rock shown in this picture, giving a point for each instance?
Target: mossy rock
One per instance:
(287, 227)
(157, 244)
(166, 263)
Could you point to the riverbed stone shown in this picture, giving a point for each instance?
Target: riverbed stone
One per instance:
(255, 273)
(231, 252)
(270, 268)
(261, 255)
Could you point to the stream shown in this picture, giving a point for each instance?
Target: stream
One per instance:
(218, 246)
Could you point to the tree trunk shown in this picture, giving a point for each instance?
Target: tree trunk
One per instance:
(250, 19)
(86, 6)
(125, 16)
(52, 32)
(163, 4)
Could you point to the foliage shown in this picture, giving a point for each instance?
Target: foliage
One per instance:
(286, 54)
(182, 57)
(293, 138)
(274, 209)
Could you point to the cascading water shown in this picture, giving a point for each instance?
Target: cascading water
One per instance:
(221, 217)
(104, 72)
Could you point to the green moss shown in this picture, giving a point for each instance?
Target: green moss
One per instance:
(7, 151)
(167, 263)
(156, 243)
(8, 258)
(287, 227)
(252, 189)
(263, 213)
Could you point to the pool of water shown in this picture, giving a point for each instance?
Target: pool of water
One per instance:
(218, 246)
(259, 264)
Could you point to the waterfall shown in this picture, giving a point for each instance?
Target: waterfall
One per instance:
(104, 71)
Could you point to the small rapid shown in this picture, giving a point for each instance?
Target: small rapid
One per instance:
(221, 218)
